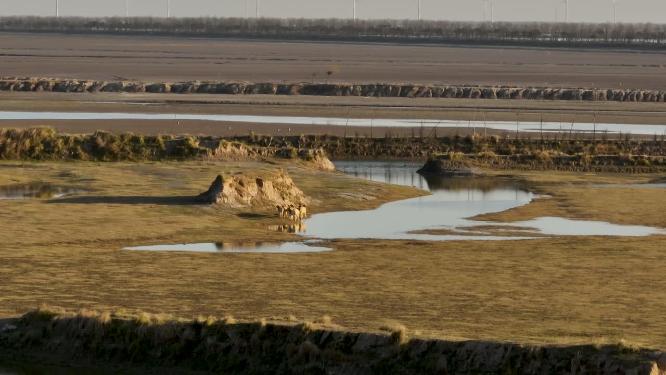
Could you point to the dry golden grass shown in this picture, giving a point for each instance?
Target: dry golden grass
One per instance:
(553, 290)
(130, 203)
(592, 197)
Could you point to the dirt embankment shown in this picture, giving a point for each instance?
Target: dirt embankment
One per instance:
(223, 345)
(46, 144)
(567, 153)
(325, 89)
(555, 153)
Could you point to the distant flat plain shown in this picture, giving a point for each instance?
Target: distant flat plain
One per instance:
(159, 58)
(175, 58)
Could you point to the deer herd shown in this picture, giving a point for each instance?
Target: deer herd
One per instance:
(293, 212)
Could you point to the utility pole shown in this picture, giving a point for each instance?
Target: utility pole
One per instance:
(566, 11)
(354, 9)
(371, 126)
(126, 8)
(245, 9)
(57, 8)
(517, 124)
(256, 10)
(419, 8)
(168, 8)
(614, 11)
(541, 127)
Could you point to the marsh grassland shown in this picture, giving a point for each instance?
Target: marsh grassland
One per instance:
(557, 290)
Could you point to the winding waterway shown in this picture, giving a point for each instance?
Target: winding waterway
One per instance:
(447, 213)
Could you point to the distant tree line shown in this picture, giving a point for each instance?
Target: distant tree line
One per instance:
(645, 35)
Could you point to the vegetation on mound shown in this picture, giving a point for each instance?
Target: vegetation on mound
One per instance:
(644, 35)
(225, 345)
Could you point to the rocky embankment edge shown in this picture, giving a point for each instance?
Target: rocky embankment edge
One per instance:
(209, 344)
(31, 84)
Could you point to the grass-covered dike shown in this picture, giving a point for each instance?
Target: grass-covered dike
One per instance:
(223, 345)
(551, 152)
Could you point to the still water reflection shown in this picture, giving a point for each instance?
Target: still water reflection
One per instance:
(446, 213)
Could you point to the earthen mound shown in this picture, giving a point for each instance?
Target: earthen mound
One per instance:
(242, 190)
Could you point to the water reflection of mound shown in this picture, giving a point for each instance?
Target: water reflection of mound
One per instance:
(238, 247)
(35, 190)
(246, 246)
(484, 184)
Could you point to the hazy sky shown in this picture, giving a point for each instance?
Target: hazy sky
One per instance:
(504, 10)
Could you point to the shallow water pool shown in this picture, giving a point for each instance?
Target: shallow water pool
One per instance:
(447, 213)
